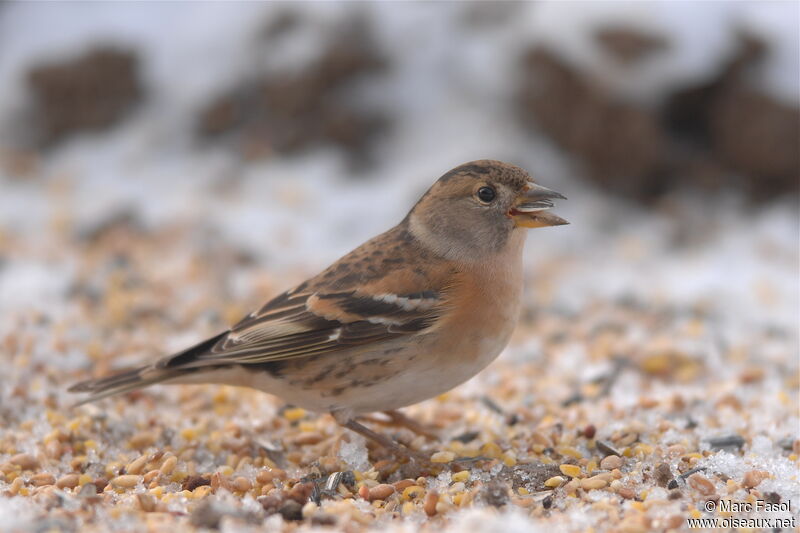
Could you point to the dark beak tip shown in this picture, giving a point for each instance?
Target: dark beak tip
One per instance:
(537, 191)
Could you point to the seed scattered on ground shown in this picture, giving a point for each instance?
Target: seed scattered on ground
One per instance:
(137, 465)
(409, 493)
(68, 481)
(591, 483)
(626, 492)
(443, 457)
(610, 462)
(570, 470)
(380, 492)
(553, 482)
(702, 484)
(126, 481)
(25, 461)
(242, 484)
(431, 499)
(169, 465)
(294, 414)
(753, 478)
(462, 476)
(42, 479)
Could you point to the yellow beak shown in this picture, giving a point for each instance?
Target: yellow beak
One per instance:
(531, 208)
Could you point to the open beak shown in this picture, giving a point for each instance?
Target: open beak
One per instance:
(530, 210)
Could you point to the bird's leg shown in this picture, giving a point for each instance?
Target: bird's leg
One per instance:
(394, 447)
(399, 419)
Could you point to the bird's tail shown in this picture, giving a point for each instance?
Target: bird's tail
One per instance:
(123, 382)
(163, 370)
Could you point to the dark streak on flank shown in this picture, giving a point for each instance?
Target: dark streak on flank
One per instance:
(335, 392)
(322, 374)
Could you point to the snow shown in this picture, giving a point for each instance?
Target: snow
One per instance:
(354, 453)
(16, 514)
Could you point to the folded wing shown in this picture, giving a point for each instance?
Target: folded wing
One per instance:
(302, 324)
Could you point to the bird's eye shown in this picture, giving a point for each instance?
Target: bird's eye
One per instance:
(486, 194)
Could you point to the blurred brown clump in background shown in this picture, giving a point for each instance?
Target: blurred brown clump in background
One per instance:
(731, 125)
(629, 45)
(721, 133)
(619, 143)
(286, 112)
(724, 131)
(91, 92)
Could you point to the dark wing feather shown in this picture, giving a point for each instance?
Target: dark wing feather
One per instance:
(303, 324)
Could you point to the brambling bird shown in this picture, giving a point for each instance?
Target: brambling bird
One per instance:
(404, 317)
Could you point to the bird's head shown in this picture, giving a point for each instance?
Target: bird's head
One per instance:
(475, 208)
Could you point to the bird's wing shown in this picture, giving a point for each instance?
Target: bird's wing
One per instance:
(304, 323)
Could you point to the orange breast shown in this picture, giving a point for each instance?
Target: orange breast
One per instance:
(487, 310)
